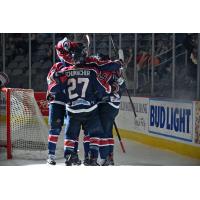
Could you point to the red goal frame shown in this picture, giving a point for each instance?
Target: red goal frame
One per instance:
(7, 92)
(8, 128)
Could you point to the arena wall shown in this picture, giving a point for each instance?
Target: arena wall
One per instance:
(162, 123)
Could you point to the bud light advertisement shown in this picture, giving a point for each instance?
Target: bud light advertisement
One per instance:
(171, 119)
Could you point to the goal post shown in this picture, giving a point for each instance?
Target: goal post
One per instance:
(22, 126)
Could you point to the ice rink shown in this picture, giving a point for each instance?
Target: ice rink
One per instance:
(141, 168)
(137, 154)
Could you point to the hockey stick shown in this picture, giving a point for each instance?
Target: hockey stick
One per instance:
(88, 39)
(127, 91)
(88, 42)
(119, 137)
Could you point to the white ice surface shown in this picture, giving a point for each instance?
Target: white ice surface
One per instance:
(137, 154)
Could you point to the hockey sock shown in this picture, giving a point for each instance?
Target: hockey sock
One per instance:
(103, 148)
(69, 147)
(111, 145)
(94, 147)
(86, 145)
(52, 142)
(76, 146)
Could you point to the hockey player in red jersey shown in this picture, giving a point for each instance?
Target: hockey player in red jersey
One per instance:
(108, 112)
(108, 70)
(56, 99)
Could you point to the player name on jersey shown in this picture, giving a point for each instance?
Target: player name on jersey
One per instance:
(78, 72)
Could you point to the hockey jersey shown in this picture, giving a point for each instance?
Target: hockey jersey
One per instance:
(105, 65)
(82, 88)
(55, 91)
(110, 74)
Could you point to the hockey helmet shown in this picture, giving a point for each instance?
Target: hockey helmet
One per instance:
(103, 57)
(63, 51)
(79, 52)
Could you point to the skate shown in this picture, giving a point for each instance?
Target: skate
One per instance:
(111, 160)
(72, 159)
(68, 161)
(51, 160)
(105, 162)
(93, 162)
(76, 160)
(86, 161)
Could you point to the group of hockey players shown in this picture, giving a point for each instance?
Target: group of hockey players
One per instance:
(84, 92)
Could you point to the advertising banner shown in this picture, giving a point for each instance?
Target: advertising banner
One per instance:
(126, 118)
(197, 122)
(42, 102)
(172, 119)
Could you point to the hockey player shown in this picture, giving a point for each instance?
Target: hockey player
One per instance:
(83, 89)
(4, 80)
(108, 110)
(56, 99)
(108, 66)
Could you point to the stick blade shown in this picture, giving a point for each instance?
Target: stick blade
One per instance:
(122, 146)
(121, 54)
(88, 40)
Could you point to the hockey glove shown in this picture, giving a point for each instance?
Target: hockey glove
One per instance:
(120, 62)
(49, 97)
(115, 87)
(59, 74)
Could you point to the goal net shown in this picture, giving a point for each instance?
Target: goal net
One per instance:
(23, 131)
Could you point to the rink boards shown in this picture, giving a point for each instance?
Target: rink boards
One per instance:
(163, 123)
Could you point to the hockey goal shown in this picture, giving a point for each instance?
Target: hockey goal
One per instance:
(23, 131)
